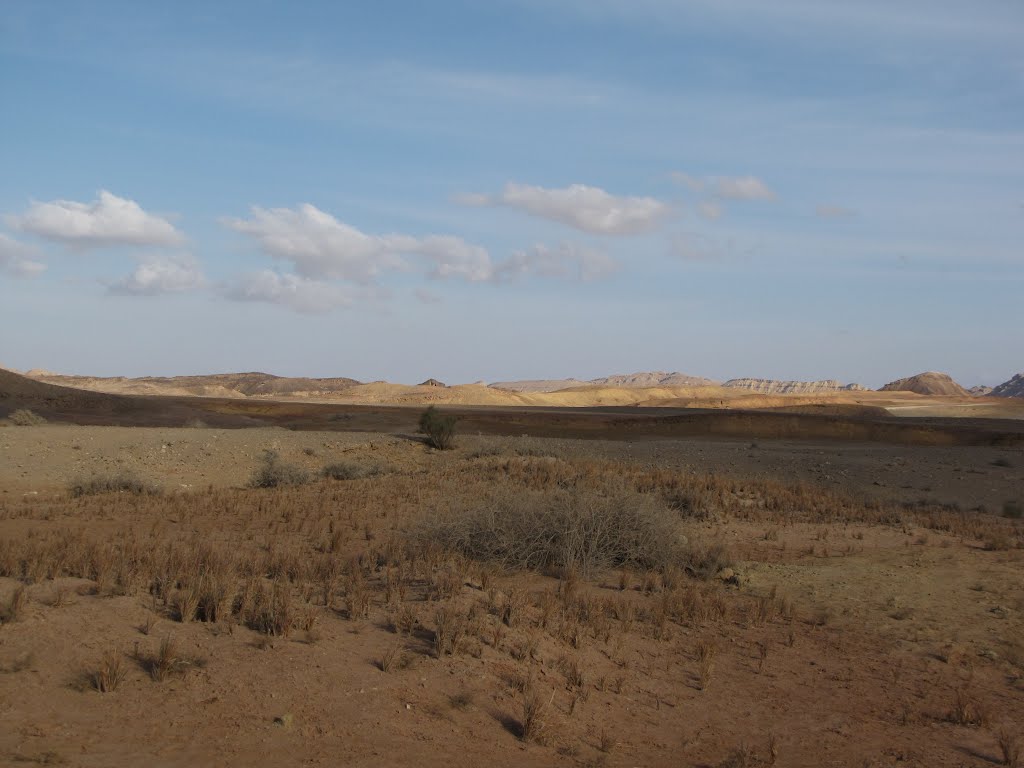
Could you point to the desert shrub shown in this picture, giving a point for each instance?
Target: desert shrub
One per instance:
(23, 417)
(439, 429)
(1013, 510)
(121, 483)
(274, 473)
(560, 529)
(343, 471)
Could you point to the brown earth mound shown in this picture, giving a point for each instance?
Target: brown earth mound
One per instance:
(252, 384)
(928, 383)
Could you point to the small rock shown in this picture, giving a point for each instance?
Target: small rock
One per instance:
(284, 721)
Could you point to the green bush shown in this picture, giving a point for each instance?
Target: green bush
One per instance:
(439, 429)
(274, 473)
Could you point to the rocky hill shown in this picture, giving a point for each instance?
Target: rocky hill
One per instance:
(927, 383)
(979, 391)
(773, 387)
(1012, 388)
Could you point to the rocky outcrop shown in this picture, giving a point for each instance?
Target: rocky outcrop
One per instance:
(649, 379)
(927, 383)
(1012, 388)
(642, 380)
(979, 391)
(432, 383)
(774, 387)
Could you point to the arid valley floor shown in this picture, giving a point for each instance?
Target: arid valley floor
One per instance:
(560, 588)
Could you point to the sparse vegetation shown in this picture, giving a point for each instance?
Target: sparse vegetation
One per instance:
(274, 473)
(439, 429)
(23, 417)
(110, 673)
(569, 578)
(343, 471)
(120, 483)
(15, 606)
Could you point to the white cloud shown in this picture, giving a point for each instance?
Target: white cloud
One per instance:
(727, 187)
(157, 276)
(833, 211)
(691, 246)
(293, 291)
(742, 188)
(590, 209)
(321, 247)
(108, 220)
(567, 261)
(15, 261)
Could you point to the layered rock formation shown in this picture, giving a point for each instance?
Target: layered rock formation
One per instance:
(774, 387)
(641, 380)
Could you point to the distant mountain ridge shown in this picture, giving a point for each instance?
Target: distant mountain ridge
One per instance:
(640, 380)
(251, 384)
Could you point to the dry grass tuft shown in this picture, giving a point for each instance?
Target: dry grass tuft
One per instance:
(15, 607)
(1009, 747)
(167, 661)
(121, 483)
(110, 674)
(535, 725)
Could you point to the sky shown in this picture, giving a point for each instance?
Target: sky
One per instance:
(504, 189)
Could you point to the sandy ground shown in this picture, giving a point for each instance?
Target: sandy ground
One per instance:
(47, 458)
(891, 622)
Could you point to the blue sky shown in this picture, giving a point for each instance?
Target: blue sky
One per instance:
(514, 188)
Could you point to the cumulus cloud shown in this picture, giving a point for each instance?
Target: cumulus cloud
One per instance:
(564, 261)
(590, 209)
(833, 212)
(15, 258)
(109, 220)
(321, 247)
(301, 294)
(157, 276)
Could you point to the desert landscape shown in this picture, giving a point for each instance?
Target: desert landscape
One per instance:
(512, 383)
(229, 578)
